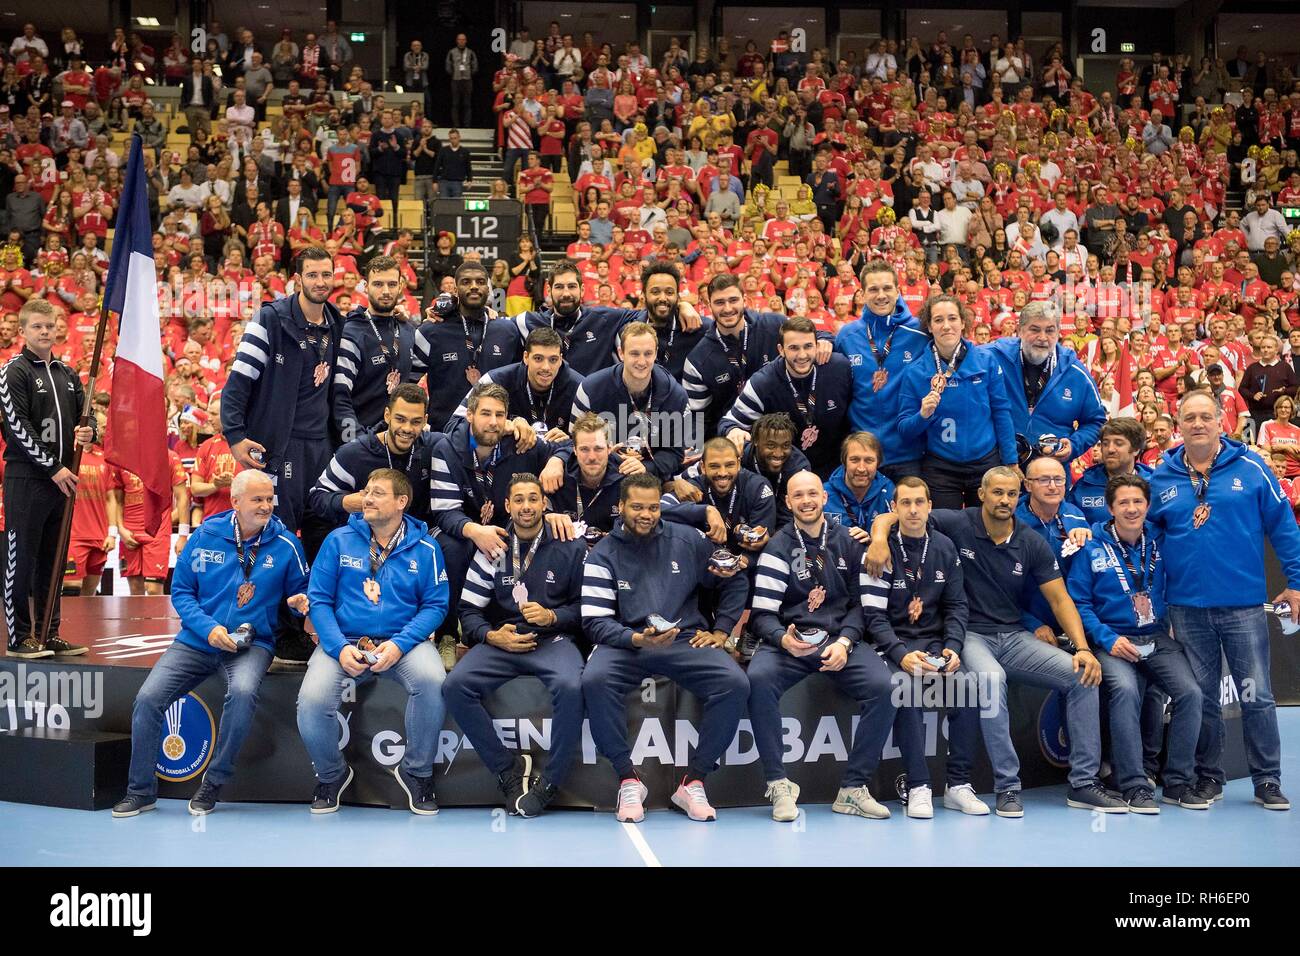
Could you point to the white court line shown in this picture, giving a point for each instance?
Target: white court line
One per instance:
(642, 847)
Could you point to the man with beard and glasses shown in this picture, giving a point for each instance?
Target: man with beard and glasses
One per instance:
(589, 334)
(471, 473)
(816, 397)
(541, 387)
(1001, 556)
(377, 592)
(403, 442)
(807, 611)
(456, 349)
(1054, 402)
(589, 494)
(520, 616)
(376, 354)
(645, 403)
(742, 342)
(236, 571)
(640, 607)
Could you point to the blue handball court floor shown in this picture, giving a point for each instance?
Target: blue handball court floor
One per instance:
(1234, 832)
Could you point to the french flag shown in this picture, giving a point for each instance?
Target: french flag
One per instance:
(136, 438)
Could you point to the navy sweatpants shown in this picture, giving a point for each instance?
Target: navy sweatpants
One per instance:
(304, 460)
(556, 662)
(707, 672)
(457, 553)
(865, 679)
(909, 735)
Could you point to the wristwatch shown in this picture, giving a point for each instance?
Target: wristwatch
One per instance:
(848, 644)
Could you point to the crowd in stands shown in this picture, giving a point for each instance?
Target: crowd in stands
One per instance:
(981, 169)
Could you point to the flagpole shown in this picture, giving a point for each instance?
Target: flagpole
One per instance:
(65, 527)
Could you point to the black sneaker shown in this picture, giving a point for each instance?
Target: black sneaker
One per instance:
(419, 792)
(1271, 797)
(205, 801)
(326, 797)
(29, 648)
(1141, 800)
(748, 645)
(1209, 790)
(61, 648)
(132, 805)
(1009, 804)
(1095, 797)
(1185, 795)
(537, 799)
(513, 781)
(292, 650)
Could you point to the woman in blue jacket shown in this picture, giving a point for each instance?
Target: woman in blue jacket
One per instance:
(955, 402)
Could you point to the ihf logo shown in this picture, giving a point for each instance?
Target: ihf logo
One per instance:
(187, 744)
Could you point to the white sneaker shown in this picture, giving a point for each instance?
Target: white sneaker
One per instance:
(920, 806)
(783, 795)
(858, 802)
(962, 797)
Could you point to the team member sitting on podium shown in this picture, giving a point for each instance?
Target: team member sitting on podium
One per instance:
(808, 614)
(519, 615)
(378, 590)
(236, 570)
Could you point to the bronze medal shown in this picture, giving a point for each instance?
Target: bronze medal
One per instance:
(392, 381)
(371, 588)
(245, 593)
(815, 597)
(472, 374)
(878, 379)
(809, 437)
(485, 513)
(1201, 514)
(914, 609)
(322, 373)
(938, 383)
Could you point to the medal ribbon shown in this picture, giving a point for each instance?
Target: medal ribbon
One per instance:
(474, 352)
(731, 505)
(389, 357)
(1201, 488)
(247, 572)
(379, 555)
(913, 578)
(806, 408)
(739, 363)
(528, 558)
(819, 562)
(1144, 573)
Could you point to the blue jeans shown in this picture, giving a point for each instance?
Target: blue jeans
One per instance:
(1018, 655)
(420, 673)
(179, 671)
(332, 201)
(450, 189)
(1125, 684)
(1241, 635)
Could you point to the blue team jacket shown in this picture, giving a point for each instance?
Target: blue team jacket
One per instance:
(872, 411)
(1037, 610)
(1094, 585)
(207, 580)
(413, 588)
(1069, 406)
(1221, 563)
(843, 507)
(974, 413)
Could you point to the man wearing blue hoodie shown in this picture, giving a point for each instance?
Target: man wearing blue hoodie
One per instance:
(375, 354)
(857, 490)
(1215, 502)
(640, 607)
(1118, 585)
(237, 568)
(879, 346)
(1121, 441)
(378, 591)
(1051, 393)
